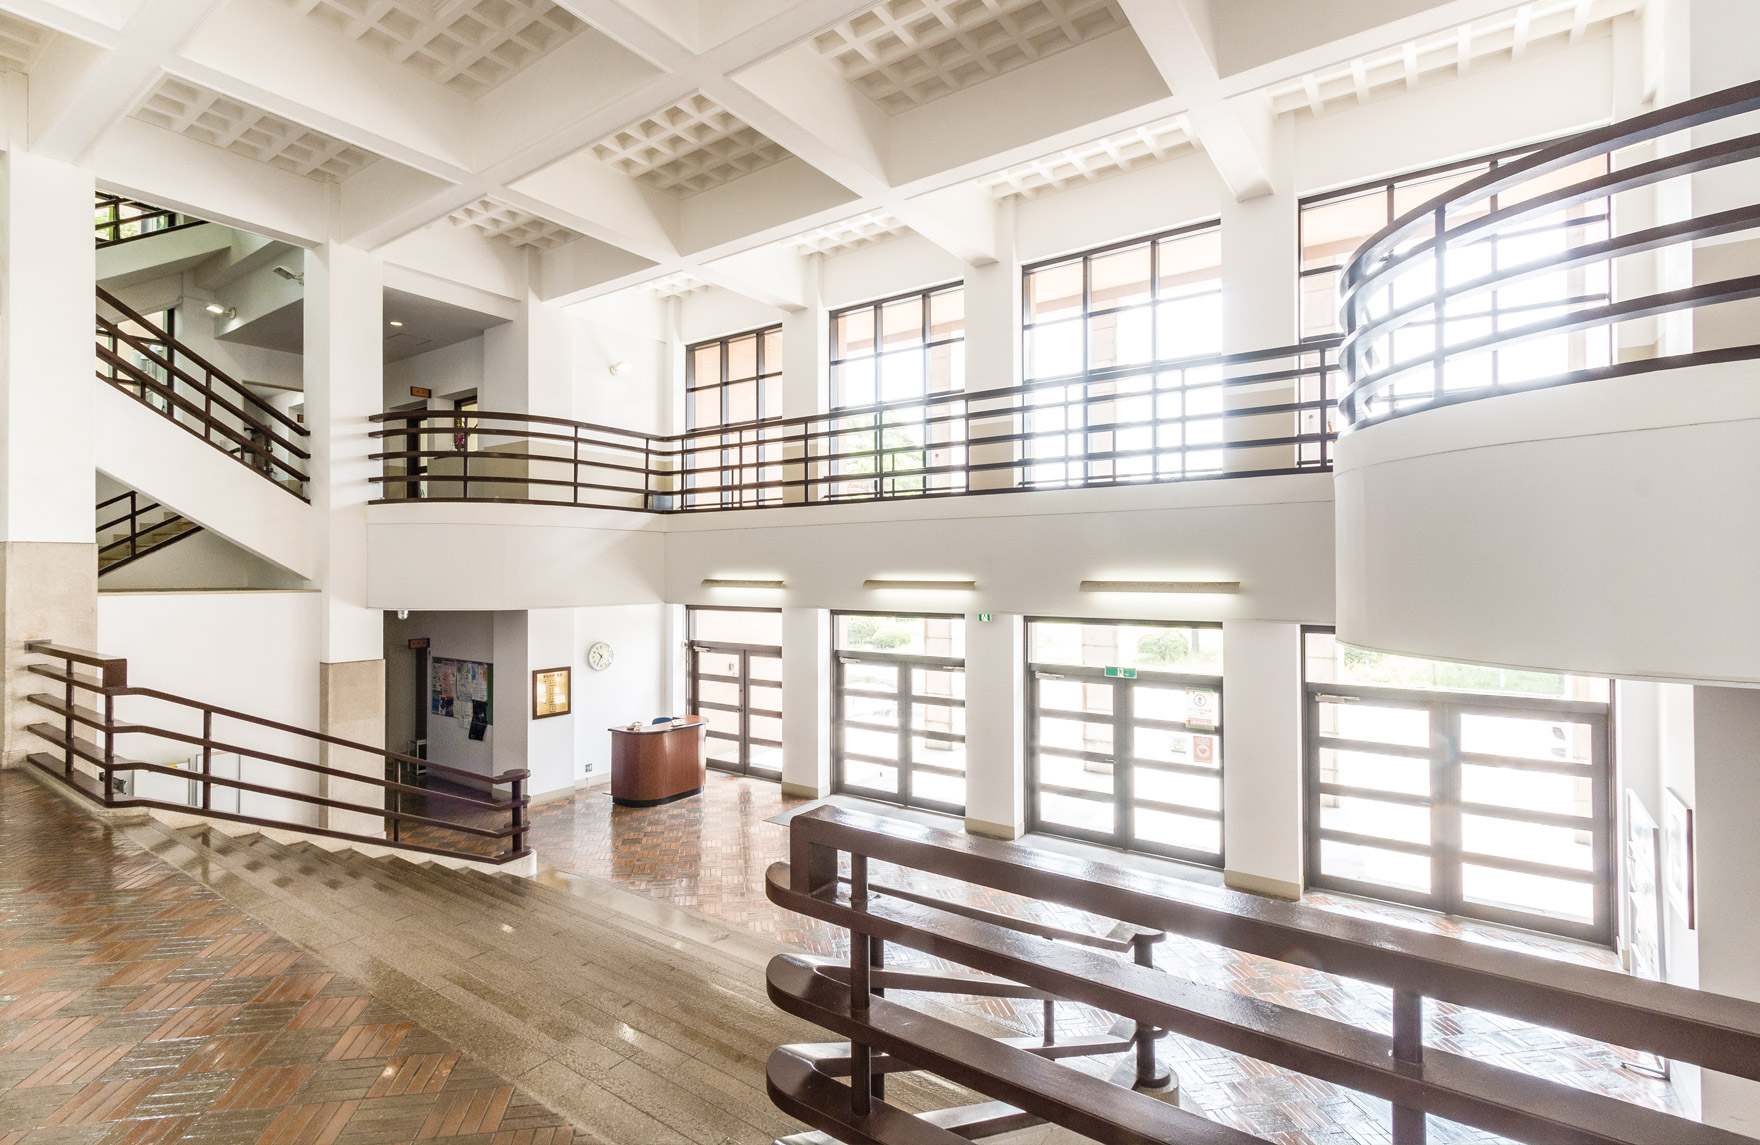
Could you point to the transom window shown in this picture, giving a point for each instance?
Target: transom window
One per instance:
(1476, 791)
(899, 721)
(1124, 732)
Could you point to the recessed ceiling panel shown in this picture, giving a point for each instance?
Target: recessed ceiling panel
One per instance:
(908, 52)
(689, 147)
(221, 121)
(512, 225)
(1140, 146)
(469, 46)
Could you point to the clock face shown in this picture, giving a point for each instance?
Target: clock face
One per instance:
(599, 656)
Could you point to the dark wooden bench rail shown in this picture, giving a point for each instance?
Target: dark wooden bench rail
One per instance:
(1709, 1030)
(108, 682)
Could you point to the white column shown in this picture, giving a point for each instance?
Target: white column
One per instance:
(993, 348)
(344, 367)
(1262, 757)
(806, 374)
(996, 797)
(1726, 764)
(806, 702)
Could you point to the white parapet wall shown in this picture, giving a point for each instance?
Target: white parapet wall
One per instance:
(1608, 528)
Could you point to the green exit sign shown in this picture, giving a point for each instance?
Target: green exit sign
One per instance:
(1122, 673)
(983, 618)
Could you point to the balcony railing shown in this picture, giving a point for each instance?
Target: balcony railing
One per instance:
(1527, 276)
(1235, 415)
(839, 1089)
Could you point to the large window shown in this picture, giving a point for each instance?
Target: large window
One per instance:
(736, 683)
(733, 382)
(1124, 735)
(1471, 790)
(1334, 224)
(1114, 325)
(907, 354)
(899, 724)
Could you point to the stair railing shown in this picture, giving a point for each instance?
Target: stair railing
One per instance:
(132, 543)
(119, 220)
(180, 384)
(1712, 1031)
(91, 767)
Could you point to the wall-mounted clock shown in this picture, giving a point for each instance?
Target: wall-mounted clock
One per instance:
(599, 656)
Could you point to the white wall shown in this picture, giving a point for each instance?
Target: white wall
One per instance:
(448, 371)
(633, 688)
(254, 652)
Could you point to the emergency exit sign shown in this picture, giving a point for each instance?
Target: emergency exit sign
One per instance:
(1122, 673)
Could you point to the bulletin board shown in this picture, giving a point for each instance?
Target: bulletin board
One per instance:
(461, 690)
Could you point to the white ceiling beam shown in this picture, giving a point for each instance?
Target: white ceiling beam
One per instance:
(1236, 134)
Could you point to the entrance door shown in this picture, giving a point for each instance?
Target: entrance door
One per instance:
(738, 688)
(1132, 762)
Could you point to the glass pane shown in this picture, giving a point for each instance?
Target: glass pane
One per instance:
(773, 352)
(870, 776)
(1182, 831)
(943, 718)
(1054, 292)
(1529, 842)
(871, 677)
(1527, 790)
(1330, 662)
(706, 407)
(1084, 775)
(742, 357)
(867, 741)
(1196, 706)
(1075, 735)
(938, 788)
(1076, 696)
(765, 668)
(1404, 727)
(1174, 787)
(853, 331)
(1523, 738)
(1398, 821)
(901, 323)
(1165, 746)
(1374, 865)
(742, 402)
(1099, 645)
(947, 314)
(1120, 278)
(913, 635)
(1071, 811)
(936, 682)
(1405, 775)
(1332, 231)
(1538, 894)
(716, 692)
(738, 626)
(766, 727)
(706, 364)
(718, 664)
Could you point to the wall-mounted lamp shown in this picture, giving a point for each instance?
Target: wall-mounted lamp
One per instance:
(290, 274)
(621, 368)
(394, 322)
(928, 585)
(714, 582)
(1191, 586)
(223, 311)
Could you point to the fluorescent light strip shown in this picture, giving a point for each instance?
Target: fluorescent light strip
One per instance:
(712, 583)
(1197, 586)
(930, 585)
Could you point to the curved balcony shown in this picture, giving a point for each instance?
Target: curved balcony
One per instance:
(1575, 331)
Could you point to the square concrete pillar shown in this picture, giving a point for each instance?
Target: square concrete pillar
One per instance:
(806, 702)
(1262, 757)
(996, 725)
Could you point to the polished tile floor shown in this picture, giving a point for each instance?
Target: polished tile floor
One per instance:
(709, 854)
(138, 1007)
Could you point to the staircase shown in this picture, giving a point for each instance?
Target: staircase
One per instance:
(136, 530)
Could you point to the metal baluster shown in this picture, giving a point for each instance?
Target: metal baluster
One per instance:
(1437, 304)
(861, 1056)
(577, 465)
(1408, 1049)
(67, 729)
(208, 759)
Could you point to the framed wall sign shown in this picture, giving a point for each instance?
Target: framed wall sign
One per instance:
(549, 693)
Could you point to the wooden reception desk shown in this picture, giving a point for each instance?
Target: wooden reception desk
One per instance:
(659, 763)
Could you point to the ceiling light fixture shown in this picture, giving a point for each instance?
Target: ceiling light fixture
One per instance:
(718, 582)
(290, 274)
(621, 368)
(1188, 586)
(394, 322)
(929, 585)
(223, 311)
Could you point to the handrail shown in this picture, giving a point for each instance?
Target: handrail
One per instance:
(1401, 276)
(111, 684)
(109, 231)
(131, 538)
(1262, 412)
(1712, 1031)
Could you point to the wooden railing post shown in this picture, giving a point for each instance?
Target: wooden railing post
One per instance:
(1408, 1049)
(1150, 1073)
(518, 839)
(861, 1055)
(67, 730)
(208, 759)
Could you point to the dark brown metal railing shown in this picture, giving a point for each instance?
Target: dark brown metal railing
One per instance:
(1231, 415)
(170, 378)
(1418, 311)
(145, 528)
(119, 220)
(90, 767)
(1712, 1031)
